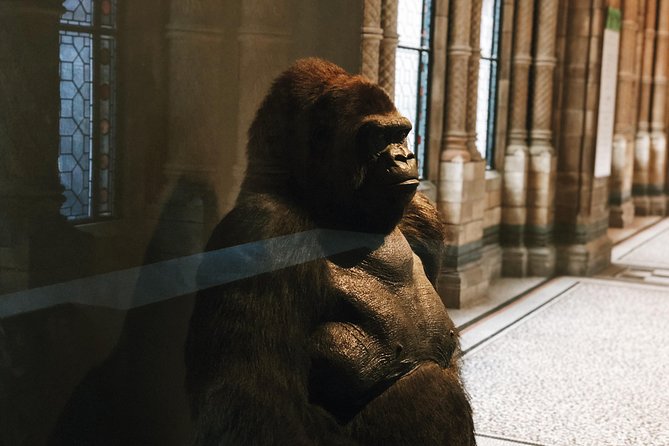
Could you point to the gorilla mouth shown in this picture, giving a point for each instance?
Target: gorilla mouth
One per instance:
(411, 183)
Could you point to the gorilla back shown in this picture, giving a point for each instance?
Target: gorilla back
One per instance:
(350, 346)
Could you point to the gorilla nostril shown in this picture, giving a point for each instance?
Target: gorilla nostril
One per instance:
(401, 154)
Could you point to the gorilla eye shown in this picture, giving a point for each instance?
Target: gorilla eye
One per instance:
(377, 141)
(402, 134)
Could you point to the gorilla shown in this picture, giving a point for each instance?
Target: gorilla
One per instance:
(351, 347)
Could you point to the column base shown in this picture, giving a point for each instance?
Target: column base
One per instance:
(491, 261)
(460, 288)
(642, 205)
(621, 216)
(541, 261)
(514, 261)
(584, 259)
(658, 205)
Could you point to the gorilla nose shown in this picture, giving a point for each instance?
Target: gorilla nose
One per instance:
(401, 154)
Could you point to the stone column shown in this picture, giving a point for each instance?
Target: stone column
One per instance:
(372, 34)
(461, 188)
(642, 144)
(265, 50)
(388, 46)
(543, 163)
(437, 87)
(189, 205)
(581, 203)
(658, 137)
(516, 159)
(454, 142)
(37, 245)
(622, 165)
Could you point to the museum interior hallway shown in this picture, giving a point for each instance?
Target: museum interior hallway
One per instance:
(576, 361)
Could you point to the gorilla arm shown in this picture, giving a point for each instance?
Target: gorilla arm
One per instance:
(246, 358)
(425, 232)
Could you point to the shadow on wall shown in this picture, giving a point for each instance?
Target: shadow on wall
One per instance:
(68, 389)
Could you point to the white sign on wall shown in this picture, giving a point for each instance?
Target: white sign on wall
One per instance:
(607, 94)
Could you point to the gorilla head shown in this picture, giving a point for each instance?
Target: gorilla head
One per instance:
(336, 144)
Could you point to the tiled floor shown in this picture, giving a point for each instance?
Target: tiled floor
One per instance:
(578, 361)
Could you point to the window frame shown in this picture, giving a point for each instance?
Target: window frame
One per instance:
(493, 83)
(97, 32)
(424, 77)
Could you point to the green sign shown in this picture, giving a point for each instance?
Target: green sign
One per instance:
(613, 19)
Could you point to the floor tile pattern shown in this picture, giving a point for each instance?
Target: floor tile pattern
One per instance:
(589, 368)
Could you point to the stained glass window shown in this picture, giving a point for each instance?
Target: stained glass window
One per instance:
(487, 85)
(87, 108)
(412, 62)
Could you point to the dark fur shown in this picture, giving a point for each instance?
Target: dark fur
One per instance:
(256, 346)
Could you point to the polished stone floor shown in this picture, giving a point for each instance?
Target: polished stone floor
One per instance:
(578, 361)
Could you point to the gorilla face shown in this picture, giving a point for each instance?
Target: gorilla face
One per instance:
(391, 169)
(335, 144)
(360, 166)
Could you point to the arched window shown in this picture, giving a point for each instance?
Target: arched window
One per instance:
(87, 108)
(412, 71)
(491, 20)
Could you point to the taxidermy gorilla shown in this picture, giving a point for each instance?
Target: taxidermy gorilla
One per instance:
(354, 346)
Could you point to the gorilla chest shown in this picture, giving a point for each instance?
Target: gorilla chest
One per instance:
(387, 320)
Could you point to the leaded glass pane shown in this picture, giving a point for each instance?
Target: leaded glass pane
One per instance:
(482, 107)
(108, 13)
(76, 114)
(427, 24)
(107, 131)
(412, 62)
(487, 84)
(406, 87)
(410, 22)
(78, 12)
(421, 118)
(487, 28)
(88, 127)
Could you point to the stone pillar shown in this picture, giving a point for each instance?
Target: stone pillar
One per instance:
(372, 34)
(516, 159)
(543, 163)
(37, 245)
(265, 50)
(642, 144)
(190, 202)
(622, 164)
(658, 137)
(437, 87)
(454, 142)
(581, 204)
(461, 187)
(388, 46)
